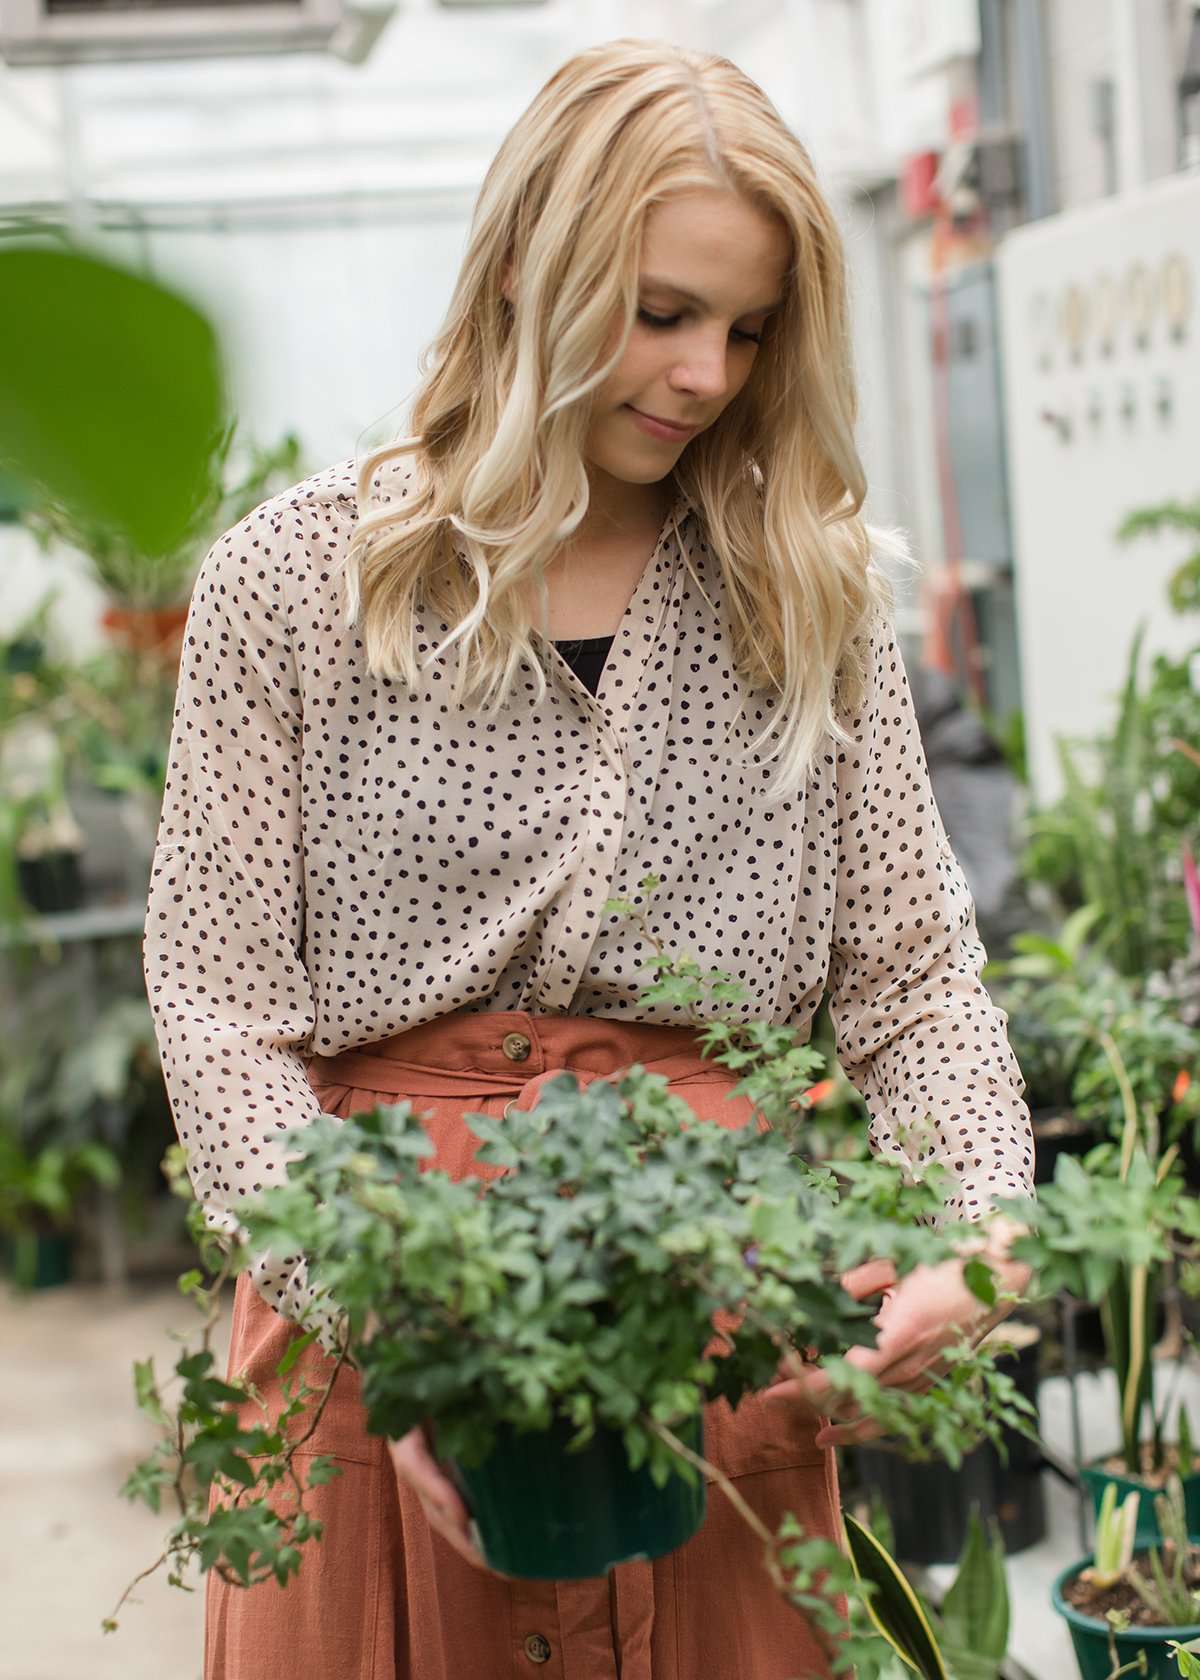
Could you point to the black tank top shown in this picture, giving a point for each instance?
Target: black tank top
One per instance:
(586, 655)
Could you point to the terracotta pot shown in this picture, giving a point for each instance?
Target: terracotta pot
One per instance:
(152, 630)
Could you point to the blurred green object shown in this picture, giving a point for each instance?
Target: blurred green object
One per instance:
(112, 396)
(135, 579)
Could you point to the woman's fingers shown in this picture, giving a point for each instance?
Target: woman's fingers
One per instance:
(440, 1500)
(873, 1277)
(815, 1394)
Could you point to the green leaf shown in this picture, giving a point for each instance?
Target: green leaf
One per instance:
(975, 1610)
(146, 1391)
(111, 394)
(144, 1482)
(893, 1606)
(294, 1350)
(980, 1280)
(321, 1470)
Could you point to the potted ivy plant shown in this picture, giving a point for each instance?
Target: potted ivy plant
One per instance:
(568, 1304)
(564, 1315)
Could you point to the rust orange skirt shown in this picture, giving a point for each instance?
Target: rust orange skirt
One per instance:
(381, 1596)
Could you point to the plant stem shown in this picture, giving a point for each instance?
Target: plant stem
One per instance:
(1128, 1102)
(1131, 1399)
(748, 1516)
(710, 1471)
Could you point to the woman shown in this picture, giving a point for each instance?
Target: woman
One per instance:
(610, 609)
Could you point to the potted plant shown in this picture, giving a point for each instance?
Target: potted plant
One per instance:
(39, 1186)
(568, 1306)
(1031, 988)
(148, 592)
(42, 833)
(1104, 1230)
(966, 1637)
(1129, 1610)
(115, 723)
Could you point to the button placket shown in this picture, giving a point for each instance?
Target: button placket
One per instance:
(592, 885)
(612, 772)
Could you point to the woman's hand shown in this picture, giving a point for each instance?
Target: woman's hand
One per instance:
(441, 1501)
(920, 1317)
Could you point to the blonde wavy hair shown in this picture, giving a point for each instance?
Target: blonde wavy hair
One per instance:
(499, 419)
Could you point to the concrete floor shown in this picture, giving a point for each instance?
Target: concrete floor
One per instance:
(69, 1545)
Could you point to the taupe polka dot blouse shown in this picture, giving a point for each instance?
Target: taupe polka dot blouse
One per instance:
(338, 860)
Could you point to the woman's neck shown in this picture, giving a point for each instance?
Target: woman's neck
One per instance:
(591, 579)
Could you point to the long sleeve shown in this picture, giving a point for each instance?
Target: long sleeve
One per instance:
(231, 1000)
(916, 1031)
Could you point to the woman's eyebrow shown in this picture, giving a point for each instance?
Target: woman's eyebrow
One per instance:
(693, 297)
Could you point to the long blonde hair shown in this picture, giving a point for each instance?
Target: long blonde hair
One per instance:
(499, 420)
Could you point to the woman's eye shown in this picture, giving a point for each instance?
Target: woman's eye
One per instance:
(665, 321)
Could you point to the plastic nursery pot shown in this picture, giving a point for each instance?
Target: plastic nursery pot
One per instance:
(52, 882)
(1095, 1478)
(1090, 1638)
(929, 1505)
(38, 1259)
(546, 1514)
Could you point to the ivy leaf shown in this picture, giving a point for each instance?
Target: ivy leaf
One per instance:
(980, 1280)
(294, 1350)
(146, 1390)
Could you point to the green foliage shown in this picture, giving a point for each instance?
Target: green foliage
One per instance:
(1103, 1230)
(130, 573)
(1166, 1594)
(1063, 999)
(1104, 841)
(1116, 1532)
(579, 1284)
(966, 1640)
(98, 340)
(974, 1616)
(1183, 589)
(583, 1282)
(1187, 1658)
(39, 1187)
(893, 1605)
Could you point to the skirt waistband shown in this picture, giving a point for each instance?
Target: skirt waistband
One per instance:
(513, 1053)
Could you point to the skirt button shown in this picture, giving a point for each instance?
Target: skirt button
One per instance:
(515, 1046)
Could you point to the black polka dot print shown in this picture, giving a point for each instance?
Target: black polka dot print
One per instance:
(339, 859)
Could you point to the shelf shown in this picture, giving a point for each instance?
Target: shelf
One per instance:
(93, 921)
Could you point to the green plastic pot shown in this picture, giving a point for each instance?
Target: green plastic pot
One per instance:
(1090, 1638)
(1096, 1479)
(546, 1514)
(38, 1259)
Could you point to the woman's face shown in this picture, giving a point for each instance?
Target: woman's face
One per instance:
(712, 270)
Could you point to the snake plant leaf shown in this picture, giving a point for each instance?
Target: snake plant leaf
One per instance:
(894, 1607)
(111, 393)
(975, 1610)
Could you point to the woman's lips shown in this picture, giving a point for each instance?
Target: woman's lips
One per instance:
(659, 429)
